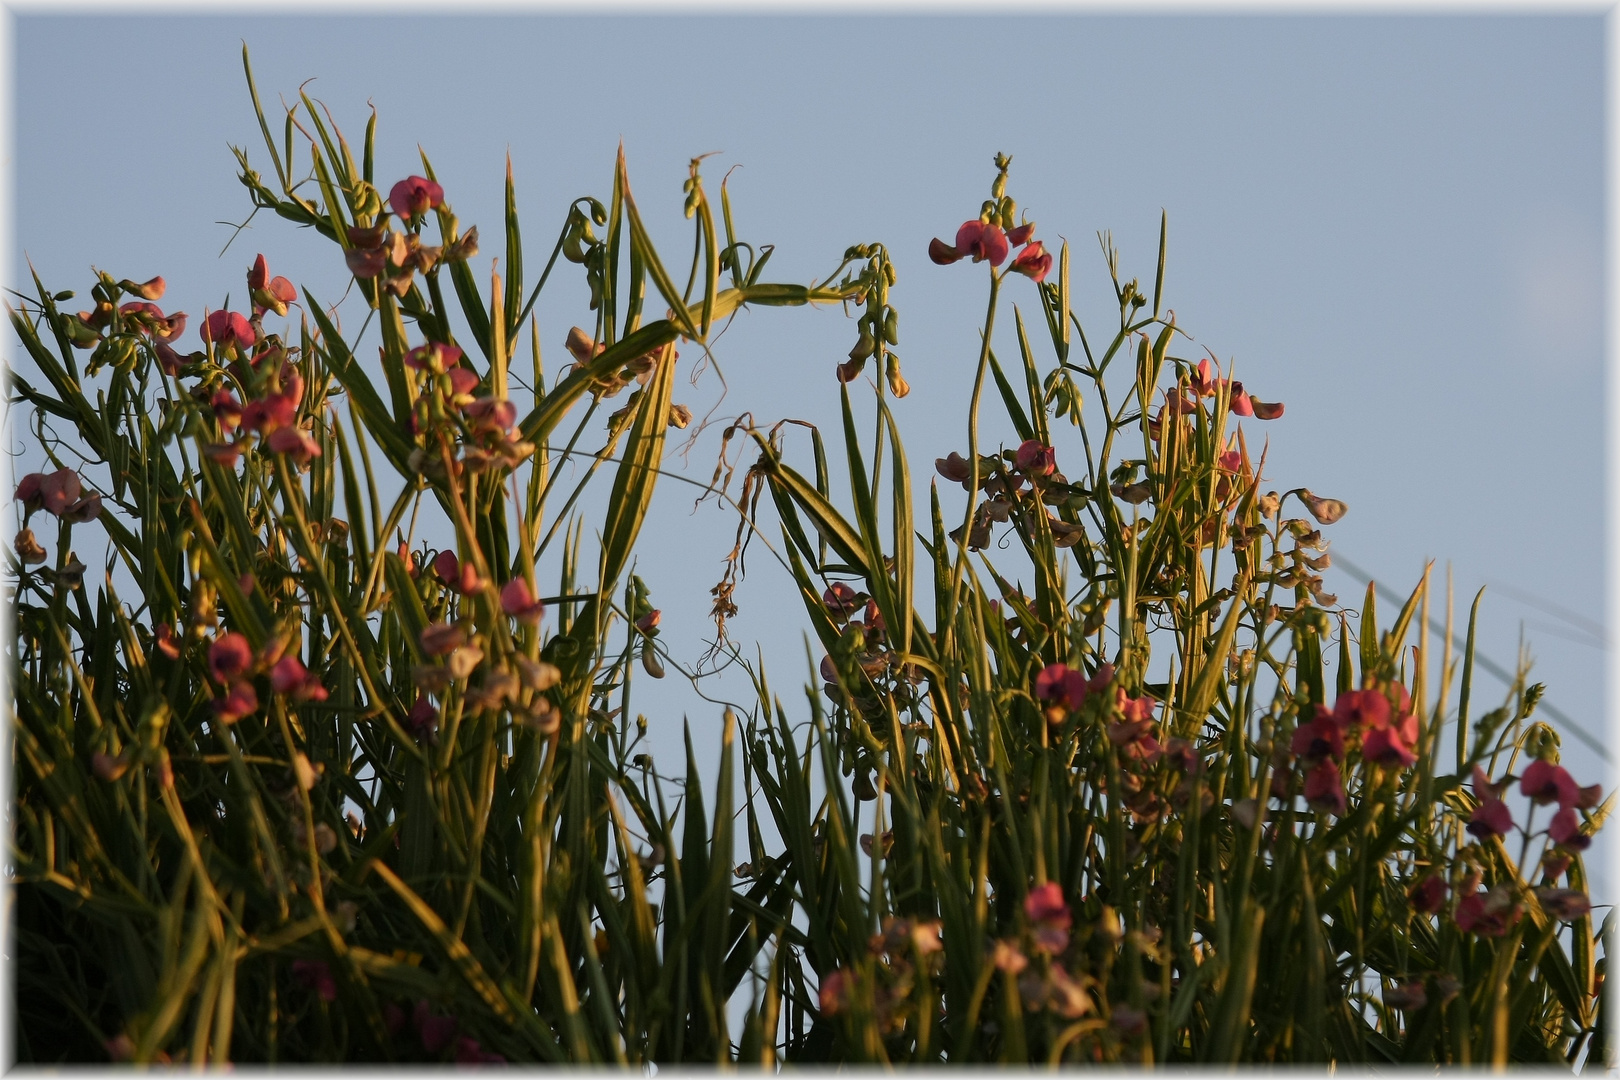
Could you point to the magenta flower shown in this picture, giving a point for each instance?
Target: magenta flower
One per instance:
(1324, 788)
(240, 700)
(289, 676)
(229, 657)
(1321, 738)
(1034, 262)
(415, 195)
(982, 241)
(434, 356)
(1565, 830)
(1385, 746)
(1488, 914)
(229, 331)
(423, 720)
(294, 443)
(1544, 782)
(1034, 458)
(1362, 708)
(55, 492)
(1429, 895)
(518, 602)
(434, 1031)
(315, 975)
(1491, 817)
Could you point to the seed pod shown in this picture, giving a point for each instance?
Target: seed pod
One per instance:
(891, 327)
(650, 662)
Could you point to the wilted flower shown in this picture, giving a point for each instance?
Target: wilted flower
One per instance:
(440, 639)
(1065, 996)
(1565, 905)
(955, 467)
(1406, 996)
(28, 549)
(1326, 511)
(1008, 957)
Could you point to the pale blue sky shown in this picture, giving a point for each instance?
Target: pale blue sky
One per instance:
(1394, 224)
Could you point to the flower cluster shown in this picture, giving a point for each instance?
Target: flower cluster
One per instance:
(1026, 479)
(895, 957)
(60, 494)
(233, 665)
(991, 235)
(448, 401)
(378, 251)
(1380, 721)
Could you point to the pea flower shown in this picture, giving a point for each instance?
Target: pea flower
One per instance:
(840, 599)
(1034, 261)
(415, 195)
(1324, 788)
(1320, 739)
(1035, 458)
(1049, 916)
(229, 657)
(1565, 830)
(1428, 895)
(290, 677)
(230, 331)
(1544, 782)
(1491, 817)
(518, 602)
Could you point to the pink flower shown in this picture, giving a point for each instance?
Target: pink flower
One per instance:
(1385, 746)
(1036, 459)
(1565, 830)
(239, 701)
(415, 195)
(1488, 914)
(1319, 739)
(1544, 782)
(1428, 895)
(488, 414)
(1491, 817)
(1062, 686)
(840, 599)
(229, 656)
(982, 241)
(294, 443)
(315, 975)
(56, 492)
(85, 509)
(289, 676)
(227, 410)
(462, 383)
(1365, 708)
(835, 991)
(955, 468)
(434, 1031)
(1049, 916)
(1324, 788)
(1034, 262)
(518, 602)
(151, 289)
(433, 356)
(229, 330)
(1140, 708)
(1021, 234)
(649, 622)
(942, 253)
(423, 720)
